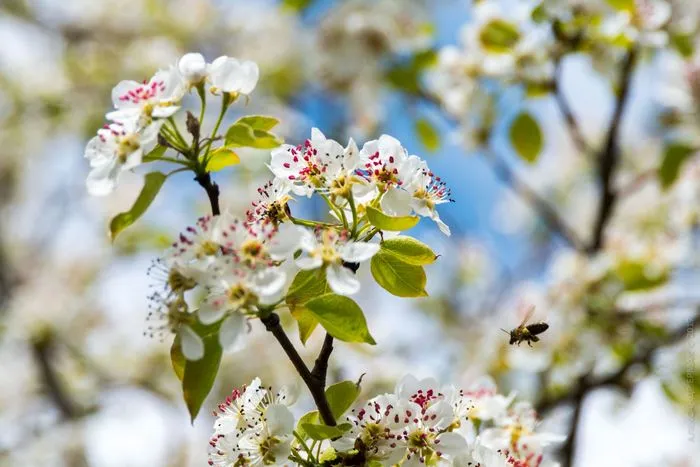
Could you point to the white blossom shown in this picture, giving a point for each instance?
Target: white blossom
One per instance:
(228, 74)
(116, 148)
(330, 249)
(143, 102)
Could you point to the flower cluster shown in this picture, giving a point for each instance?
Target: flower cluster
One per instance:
(141, 110)
(419, 424)
(522, 43)
(253, 427)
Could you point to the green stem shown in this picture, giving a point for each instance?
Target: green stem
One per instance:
(351, 201)
(308, 223)
(338, 212)
(176, 132)
(303, 444)
(203, 100)
(225, 102)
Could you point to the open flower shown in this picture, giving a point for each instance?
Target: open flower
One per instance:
(271, 204)
(116, 148)
(422, 193)
(168, 308)
(142, 102)
(320, 164)
(253, 427)
(383, 162)
(329, 249)
(229, 75)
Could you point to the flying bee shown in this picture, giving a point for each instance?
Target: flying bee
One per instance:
(527, 332)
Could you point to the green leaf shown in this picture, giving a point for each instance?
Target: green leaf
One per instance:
(341, 317)
(305, 286)
(296, 5)
(265, 140)
(152, 184)
(221, 158)
(398, 278)
(341, 396)
(320, 432)
(406, 76)
(675, 156)
(259, 122)
(240, 134)
(409, 250)
(243, 135)
(428, 134)
(384, 222)
(177, 358)
(309, 418)
(499, 36)
(623, 5)
(199, 375)
(683, 43)
(636, 276)
(526, 137)
(155, 153)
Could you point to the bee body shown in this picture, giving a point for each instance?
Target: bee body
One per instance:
(527, 332)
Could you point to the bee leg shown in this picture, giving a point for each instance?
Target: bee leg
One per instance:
(529, 343)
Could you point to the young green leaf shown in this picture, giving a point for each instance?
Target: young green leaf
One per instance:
(341, 317)
(341, 396)
(152, 184)
(259, 122)
(155, 153)
(396, 277)
(526, 137)
(675, 156)
(320, 432)
(265, 140)
(409, 250)
(177, 358)
(240, 134)
(199, 375)
(384, 222)
(428, 134)
(221, 158)
(623, 5)
(499, 36)
(311, 418)
(305, 286)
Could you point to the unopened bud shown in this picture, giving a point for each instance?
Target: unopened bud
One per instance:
(192, 125)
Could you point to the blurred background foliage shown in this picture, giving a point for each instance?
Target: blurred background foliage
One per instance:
(533, 223)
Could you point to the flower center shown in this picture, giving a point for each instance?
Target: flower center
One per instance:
(252, 251)
(178, 282)
(127, 144)
(239, 296)
(207, 248)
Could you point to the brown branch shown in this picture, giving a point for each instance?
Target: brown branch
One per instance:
(609, 156)
(212, 190)
(42, 348)
(316, 386)
(567, 113)
(546, 212)
(320, 369)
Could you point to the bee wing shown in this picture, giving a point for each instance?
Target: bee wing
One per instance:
(528, 314)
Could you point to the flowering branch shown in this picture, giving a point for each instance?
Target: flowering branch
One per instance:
(567, 113)
(42, 347)
(608, 158)
(546, 212)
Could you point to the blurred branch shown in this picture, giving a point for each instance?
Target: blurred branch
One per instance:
(567, 113)
(545, 211)
(608, 158)
(586, 385)
(42, 348)
(320, 369)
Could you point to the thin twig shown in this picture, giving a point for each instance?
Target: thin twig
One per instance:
(546, 212)
(212, 190)
(315, 385)
(320, 369)
(609, 156)
(567, 113)
(42, 348)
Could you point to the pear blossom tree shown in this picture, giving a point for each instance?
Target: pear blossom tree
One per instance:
(571, 125)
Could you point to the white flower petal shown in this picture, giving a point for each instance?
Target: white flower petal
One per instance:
(210, 312)
(192, 345)
(309, 262)
(358, 252)
(230, 329)
(280, 420)
(341, 280)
